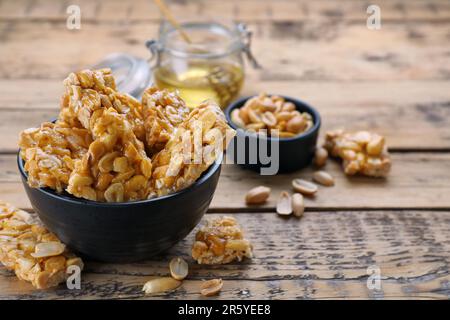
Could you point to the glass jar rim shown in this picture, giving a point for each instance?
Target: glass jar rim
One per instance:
(231, 30)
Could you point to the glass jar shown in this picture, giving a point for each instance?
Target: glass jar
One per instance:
(209, 67)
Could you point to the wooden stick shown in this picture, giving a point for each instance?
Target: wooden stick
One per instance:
(166, 12)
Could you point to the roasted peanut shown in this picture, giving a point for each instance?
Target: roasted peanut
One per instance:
(284, 204)
(320, 157)
(160, 285)
(304, 187)
(324, 178)
(243, 113)
(178, 268)
(298, 205)
(236, 118)
(211, 287)
(257, 195)
(269, 119)
(114, 193)
(296, 124)
(48, 249)
(254, 116)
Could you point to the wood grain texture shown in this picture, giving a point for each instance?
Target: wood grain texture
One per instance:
(323, 255)
(394, 81)
(325, 50)
(412, 115)
(251, 10)
(417, 180)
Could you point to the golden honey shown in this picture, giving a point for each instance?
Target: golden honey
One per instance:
(203, 80)
(210, 66)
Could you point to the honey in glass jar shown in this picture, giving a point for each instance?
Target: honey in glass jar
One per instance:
(210, 66)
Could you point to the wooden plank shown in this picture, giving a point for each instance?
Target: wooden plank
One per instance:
(11, 119)
(250, 10)
(417, 180)
(289, 51)
(400, 110)
(324, 255)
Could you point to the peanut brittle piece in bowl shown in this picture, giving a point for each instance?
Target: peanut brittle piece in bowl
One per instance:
(198, 141)
(163, 112)
(116, 167)
(49, 153)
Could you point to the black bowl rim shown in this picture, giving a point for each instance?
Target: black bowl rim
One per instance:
(311, 110)
(69, 198)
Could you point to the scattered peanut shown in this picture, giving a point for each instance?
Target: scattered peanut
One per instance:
(298, 204)
(304, 187)
(320, 157)
(257, 195)
(211, 287)
(178, 268)
(159, 285)
(284, 205)
(324, 178)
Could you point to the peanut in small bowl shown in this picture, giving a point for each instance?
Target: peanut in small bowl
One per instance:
(273, 131)
(273, 114)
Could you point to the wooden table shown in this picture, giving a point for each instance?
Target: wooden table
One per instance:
(395, 81)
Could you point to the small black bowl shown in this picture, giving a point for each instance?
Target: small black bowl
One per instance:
(128, 231)
(294, 153)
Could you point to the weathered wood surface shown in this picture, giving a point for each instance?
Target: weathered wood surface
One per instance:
(253, 10)
(412, 115)
(324, 50)
(417, 180)
(323, 255)
(395, 81)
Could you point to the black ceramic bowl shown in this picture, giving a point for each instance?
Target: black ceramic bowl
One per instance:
(294, 153)
(123, 232)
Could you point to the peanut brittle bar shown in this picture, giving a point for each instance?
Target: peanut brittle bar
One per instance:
(198, 141)
(220, 241)
(88, 92)
(362, 152)
(101, 149)
(31, 251)
(49, 152)
(116, 167)
(163, 112)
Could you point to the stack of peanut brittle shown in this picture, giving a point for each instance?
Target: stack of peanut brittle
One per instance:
(108, 146)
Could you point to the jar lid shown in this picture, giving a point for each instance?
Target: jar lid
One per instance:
(132, 74)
